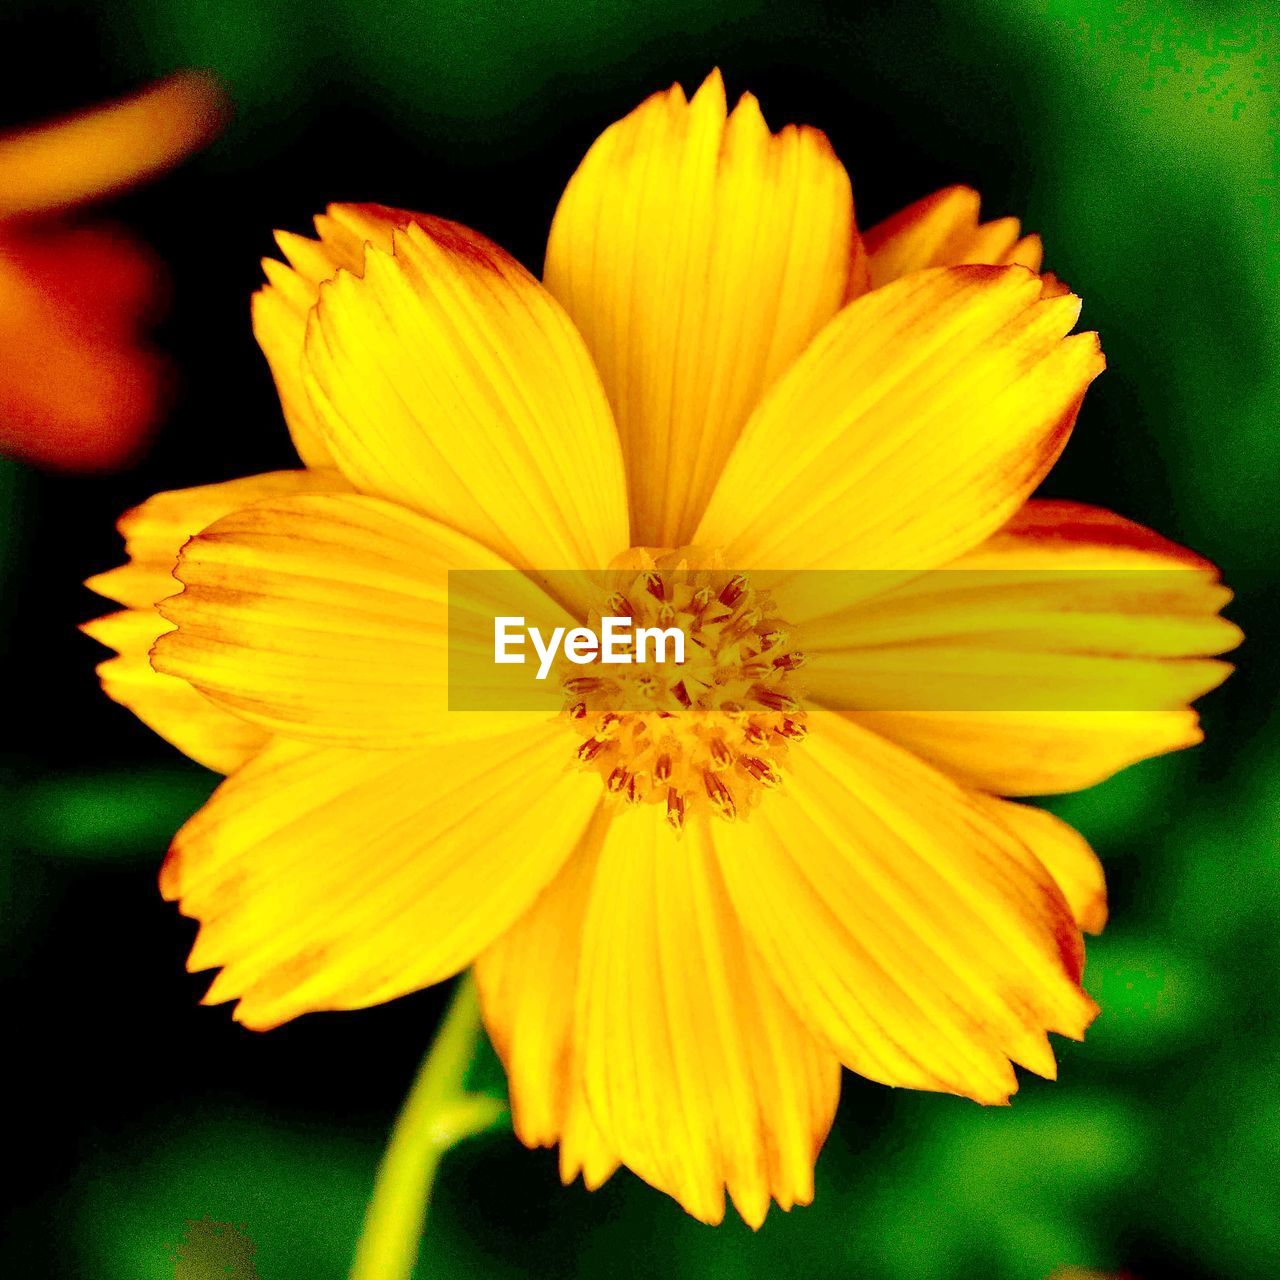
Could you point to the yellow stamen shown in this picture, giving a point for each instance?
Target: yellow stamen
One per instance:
(710, 733)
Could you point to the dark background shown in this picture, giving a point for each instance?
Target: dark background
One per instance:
(1141, 141)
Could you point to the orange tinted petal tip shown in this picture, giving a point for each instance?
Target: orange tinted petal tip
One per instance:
(965, 202)
(1003, 1098)
(275, 272)
(1029, 251)
(752, 1211)
(1042, 1060)
(994, 275)
(250, 1021)
(943, 229)
(999, 1095)
(1093, 1008)
(226, 987)
(301, 252)
(594, 1176)
(1088, 1011)
(167, 880)
(210, 999)
(203, 956)
(1093, 914)
(93, 628)
(710, 94)
(711, 87)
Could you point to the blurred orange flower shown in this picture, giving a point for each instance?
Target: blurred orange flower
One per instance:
(78, 389)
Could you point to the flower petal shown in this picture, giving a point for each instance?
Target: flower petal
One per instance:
(325, 878)
(1068, 608)
(697, 1072)
(914, 425)
(527, 981)
(910, 928)
(171, 707)
(1070, 595)
(110, 147)
(282, 305)
(333, 618)
(154, 533)
(1052, 534)
(1065, 854)
(1035, 753)
(698, 254)
(449, 380)
(943, 230)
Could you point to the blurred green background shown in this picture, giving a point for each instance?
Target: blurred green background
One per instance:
(1141, 140)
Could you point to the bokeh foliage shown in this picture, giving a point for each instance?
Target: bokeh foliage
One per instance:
(1141, 140)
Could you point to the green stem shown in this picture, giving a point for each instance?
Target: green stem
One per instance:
(437, 1114)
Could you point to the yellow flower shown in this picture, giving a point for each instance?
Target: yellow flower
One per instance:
(77, 387)
(715, 359)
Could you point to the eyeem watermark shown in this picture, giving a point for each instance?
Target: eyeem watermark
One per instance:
(671, 640)
(619, 642)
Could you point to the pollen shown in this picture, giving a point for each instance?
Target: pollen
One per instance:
(707, 734)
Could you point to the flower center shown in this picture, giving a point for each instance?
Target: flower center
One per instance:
(710, 732)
